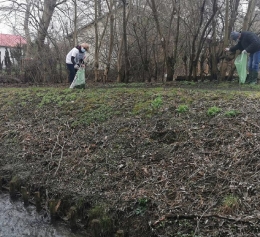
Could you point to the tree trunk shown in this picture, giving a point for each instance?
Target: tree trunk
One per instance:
(28, 52)
(120, 69)
(249, 14)
(223, 67)
(111, 41)
(214, 69)
(169, 58)
(96, 59)
(234, 13)
(196, 52)
(49, 6)
(143, 55)
(126, 64)
(75, 38)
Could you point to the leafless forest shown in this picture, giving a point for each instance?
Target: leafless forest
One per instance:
(131, 40)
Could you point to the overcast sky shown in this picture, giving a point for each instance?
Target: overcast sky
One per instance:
(5, 29)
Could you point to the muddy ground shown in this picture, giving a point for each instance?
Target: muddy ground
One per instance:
(167, 160)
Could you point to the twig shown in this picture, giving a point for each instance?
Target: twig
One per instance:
(198, 221)
(191, 217)
(55, 143)
(251, 123)
(61, 156)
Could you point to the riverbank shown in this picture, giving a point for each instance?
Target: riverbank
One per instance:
(19, 220)
(148, 161)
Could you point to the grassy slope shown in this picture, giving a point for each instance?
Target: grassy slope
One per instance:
(146, 155)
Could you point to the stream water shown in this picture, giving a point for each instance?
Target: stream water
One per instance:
(16, 220)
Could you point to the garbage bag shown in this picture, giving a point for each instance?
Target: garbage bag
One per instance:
(241, 64)
(79, 80)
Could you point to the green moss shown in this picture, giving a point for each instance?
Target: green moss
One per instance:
(99, 114)
(231, 113)
(182, 108)
(212, 111)
(141, 107)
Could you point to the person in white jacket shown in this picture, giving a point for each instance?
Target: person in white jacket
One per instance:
(74, 58)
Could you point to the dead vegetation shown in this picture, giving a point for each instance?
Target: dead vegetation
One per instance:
(149, 161)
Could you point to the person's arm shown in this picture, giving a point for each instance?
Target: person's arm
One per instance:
(73, 56)
(235, 47)
(73, 60)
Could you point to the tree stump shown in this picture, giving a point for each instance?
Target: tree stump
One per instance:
(25, 196)
(37, 197)
(96, 227)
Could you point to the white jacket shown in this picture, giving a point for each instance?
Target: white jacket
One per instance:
(74, 53)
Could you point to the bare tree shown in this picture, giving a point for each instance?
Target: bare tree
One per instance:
(45, 19)
(122, 68)
(167, 45)
(249, 14)
(110, 5)
(75, 38)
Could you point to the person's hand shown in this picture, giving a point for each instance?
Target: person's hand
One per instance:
(244, 51)
(76, 66)
(226, 49)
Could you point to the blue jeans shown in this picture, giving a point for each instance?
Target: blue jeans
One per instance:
(72, 72)
(254, 60)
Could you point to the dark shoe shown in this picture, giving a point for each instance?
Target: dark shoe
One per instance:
(254, 78)
(248, 78)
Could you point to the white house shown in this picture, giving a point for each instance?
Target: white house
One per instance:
(9, 42)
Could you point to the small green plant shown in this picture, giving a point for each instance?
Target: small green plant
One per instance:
(142, 206)
(157, 103)
(213, 111)
(99, 114)
(182, 108)
(231, 113)
(230, 204)
(192, 83)
(143, 202)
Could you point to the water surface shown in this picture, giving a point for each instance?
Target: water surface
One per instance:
(16, 220)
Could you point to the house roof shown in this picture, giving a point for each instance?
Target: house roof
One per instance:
(7, 40)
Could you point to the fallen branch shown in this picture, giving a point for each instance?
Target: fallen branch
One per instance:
(194, 217)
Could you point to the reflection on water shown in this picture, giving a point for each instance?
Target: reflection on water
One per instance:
(19, 221)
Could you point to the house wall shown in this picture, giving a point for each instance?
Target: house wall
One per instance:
(88, 35)
(2, 50)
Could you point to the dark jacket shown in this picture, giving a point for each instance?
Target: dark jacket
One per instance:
(248, 41)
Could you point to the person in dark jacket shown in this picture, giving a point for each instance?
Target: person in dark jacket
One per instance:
(248, 42)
